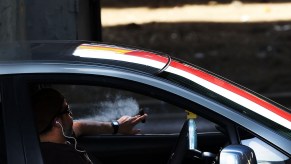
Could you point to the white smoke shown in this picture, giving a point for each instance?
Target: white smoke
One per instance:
(114, 109)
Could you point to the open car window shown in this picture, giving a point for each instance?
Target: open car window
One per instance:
(99, 101)
(106, 104)
(159, 132)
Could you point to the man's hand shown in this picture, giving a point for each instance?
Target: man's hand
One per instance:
(127, 123)
(126, 126)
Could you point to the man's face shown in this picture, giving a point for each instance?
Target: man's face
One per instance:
(67, 119)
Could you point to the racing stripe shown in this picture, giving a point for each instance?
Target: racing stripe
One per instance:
(104, 48)
(120, 50)
(139, 57)
(211, 82)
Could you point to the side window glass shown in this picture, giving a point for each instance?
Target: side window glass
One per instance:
(107, 104)
(2, 139)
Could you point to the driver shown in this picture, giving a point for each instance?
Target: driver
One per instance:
(57, 130)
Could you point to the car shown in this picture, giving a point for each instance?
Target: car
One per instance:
(193, 114)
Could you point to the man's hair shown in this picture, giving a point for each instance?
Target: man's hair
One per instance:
(47, 103)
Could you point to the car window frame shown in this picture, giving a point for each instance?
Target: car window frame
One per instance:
(22, 144)
(3, 154)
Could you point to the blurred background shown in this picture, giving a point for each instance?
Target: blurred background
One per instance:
(247, 41)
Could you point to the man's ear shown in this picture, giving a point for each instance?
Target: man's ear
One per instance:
(57, 122)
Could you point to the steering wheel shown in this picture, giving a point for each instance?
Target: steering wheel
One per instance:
(187, 142)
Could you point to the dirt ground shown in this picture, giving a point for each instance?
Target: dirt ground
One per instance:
(253, 54)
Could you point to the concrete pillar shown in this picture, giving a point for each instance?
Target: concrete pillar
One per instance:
(50, 20)
(12, 20)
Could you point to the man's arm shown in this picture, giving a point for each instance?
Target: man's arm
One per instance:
(126, 126)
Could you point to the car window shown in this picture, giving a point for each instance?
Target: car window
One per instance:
(107, 104)
(91, 100)
(2, 139)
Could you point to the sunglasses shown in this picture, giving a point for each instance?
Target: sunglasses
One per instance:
(66, 111)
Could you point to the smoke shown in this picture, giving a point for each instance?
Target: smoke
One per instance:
(113, 109)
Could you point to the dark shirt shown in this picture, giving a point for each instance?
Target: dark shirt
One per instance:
(54, 153)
